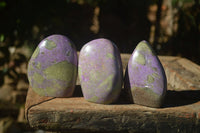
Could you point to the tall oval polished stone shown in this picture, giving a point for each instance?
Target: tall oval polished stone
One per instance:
(145, 76)
(52, 69)
(100, 71)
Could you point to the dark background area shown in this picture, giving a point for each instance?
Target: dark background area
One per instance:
(171, 26)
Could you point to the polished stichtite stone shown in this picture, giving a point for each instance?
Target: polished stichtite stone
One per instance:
(100, 71)
(145, 77)
(52, 69)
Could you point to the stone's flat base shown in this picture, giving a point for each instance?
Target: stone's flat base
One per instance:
(180, 112)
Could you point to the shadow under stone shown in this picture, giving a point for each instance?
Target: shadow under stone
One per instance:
(78, 91)
(181, 98)
(172, 98)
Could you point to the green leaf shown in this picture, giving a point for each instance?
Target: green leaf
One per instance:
(2, 37)
(2, 4)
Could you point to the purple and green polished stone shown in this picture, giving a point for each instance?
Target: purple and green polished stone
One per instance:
(145, 76)
(100, 71)
(52, 69)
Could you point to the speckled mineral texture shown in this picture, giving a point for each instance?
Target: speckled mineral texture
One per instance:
(52, 69)
(145, 76)
(100, 71)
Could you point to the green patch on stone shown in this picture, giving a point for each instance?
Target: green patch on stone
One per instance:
(50, 44)
(155, 75)
(70, 44)
(150, 79)
(79, 69)
(94, 75)
(148, 91)
(154, 69)
(39, 65)
(143, 46)
(56, 85)
(140, 59)
(38, 78)
(33, 63)
(109, 55)
(54, 61)
(108, 101)
(94, 99)
(107, 82)
(30, 66)
(36, 52)
(136, 68)
(80, 72)
(87, 54)
(61, 71)
(39, 91)
(51, 91)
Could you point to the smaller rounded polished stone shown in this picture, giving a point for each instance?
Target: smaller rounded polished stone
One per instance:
(52, 69)
(100, 71)
(145, 76)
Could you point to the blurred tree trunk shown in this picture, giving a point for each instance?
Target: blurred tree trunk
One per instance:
(157, 24)
(95, 22)
(197, 21)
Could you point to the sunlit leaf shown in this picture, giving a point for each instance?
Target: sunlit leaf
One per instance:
(2, 37)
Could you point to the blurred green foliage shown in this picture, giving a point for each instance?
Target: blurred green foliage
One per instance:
(2, 4)
(2, 37)
(175, 2)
